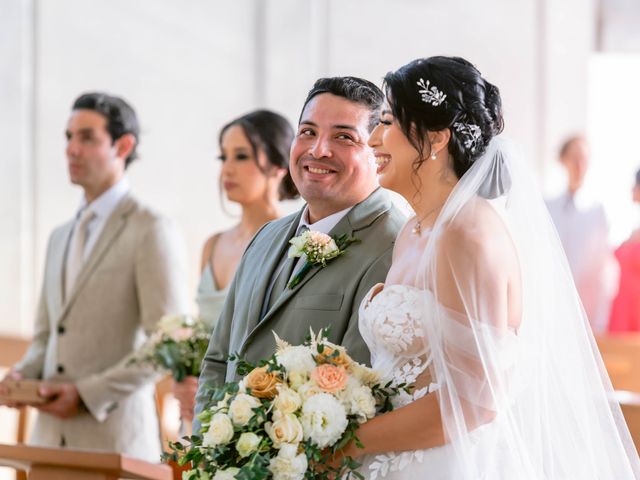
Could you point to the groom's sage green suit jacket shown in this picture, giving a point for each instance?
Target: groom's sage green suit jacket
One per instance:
(325, 297)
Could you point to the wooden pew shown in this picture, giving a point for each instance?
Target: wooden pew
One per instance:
(621, 356)
(12, 348)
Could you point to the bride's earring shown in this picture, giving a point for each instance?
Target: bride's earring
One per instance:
(433, 156)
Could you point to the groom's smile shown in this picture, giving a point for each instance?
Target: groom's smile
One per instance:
(331, 163)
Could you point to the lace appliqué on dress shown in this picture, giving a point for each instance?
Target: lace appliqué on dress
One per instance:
(393, 317)
(393, 462)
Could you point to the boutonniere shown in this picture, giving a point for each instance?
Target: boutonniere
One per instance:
(319, 249)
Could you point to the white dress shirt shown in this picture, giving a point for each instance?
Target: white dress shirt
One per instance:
(102, 207)
(583, 229)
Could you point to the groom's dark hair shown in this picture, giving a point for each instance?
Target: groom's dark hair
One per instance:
(355, 89)
(121, 117)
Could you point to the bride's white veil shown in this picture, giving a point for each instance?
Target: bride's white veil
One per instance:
(523, 392)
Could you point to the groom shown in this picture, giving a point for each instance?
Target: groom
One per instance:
(335, 172)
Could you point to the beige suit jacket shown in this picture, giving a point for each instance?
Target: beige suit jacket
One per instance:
(134, 275)
(327, 297)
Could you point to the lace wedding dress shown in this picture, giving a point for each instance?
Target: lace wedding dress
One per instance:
(391, 324)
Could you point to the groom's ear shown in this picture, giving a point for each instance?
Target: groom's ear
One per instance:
(439, 140)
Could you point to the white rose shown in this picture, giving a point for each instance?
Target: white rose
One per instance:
(247, 443)
(227, 474)
(298, 358)
(287, 401)
(297, 378)
(220, 431)
(241, 409)
(288, 465)
(285, 428)
(324, 419)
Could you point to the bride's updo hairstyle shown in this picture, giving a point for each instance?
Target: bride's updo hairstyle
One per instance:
(435, 93)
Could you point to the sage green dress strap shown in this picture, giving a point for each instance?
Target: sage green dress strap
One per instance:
(210, 298)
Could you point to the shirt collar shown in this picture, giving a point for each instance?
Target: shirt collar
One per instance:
(324, 225)
(104, 205)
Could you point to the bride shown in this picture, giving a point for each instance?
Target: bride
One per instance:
(479, 313)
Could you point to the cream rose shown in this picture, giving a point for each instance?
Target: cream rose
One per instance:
(241, 409)
(289, 464)
(285, 428)
(308, 390)
(220, 431)
(297, 378)
(287, 401)
(227, 474)
(362, 403)
(365, 375)
(248, 443)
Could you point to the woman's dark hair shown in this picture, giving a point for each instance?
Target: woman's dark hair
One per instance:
(435, 93)
(121, 117)
(271, 133)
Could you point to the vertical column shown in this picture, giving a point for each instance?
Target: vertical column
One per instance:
(17, 189)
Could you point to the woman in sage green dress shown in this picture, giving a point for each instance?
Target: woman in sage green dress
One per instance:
(254, 150)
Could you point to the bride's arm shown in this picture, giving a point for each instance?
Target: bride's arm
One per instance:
(413, 427)
(417, 426)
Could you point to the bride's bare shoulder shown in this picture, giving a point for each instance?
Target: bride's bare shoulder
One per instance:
(477, 229)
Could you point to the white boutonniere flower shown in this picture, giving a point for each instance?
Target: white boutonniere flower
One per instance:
(318, 248)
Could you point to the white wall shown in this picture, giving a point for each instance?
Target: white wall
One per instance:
(189, 66)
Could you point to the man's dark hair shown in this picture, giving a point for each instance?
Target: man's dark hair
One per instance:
(121, 117)
(354, 89)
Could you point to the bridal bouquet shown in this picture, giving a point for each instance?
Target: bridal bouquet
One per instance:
(286, 418)
(178, 346)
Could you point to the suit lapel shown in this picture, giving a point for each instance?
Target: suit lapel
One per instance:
(279, 244)
(112, 229)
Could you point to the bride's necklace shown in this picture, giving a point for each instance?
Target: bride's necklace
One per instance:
(417, 230)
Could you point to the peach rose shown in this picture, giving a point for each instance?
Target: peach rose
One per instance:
(263, 384)
(330, 378)
(341, 359)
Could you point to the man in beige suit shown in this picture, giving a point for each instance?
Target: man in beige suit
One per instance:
(110, 274)
(335, 172)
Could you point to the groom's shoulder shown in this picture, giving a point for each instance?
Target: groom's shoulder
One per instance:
(270, 229)
(273, 227)
(380, 217)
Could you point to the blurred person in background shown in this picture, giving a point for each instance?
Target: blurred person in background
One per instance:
(254, 151)
(625, 311)
(111, 273)
(583, 228)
